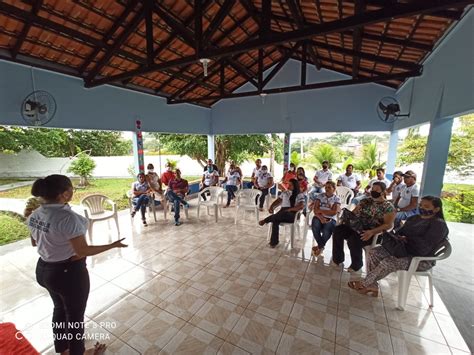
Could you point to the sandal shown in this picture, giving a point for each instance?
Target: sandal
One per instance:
(316, 251)
(357, 285)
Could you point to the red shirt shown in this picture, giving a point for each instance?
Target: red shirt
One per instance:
(303, 185)
(180, 185)
(167, 176)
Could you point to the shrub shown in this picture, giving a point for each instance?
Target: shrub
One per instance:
(12, 227)
(83, 166)
(459, 207)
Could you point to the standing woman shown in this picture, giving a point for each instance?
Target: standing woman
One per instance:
(291, 201)
(59, 234)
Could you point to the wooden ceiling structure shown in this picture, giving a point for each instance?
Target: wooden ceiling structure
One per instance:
(158, 47)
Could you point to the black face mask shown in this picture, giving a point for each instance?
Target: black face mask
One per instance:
(325, 166)
(424, 212)
(375, 194)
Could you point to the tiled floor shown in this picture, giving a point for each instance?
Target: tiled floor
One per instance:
(214, 288)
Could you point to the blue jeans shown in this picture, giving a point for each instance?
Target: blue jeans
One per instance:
(140, 203)
(176, 200)
(231, 189)
(322, 231)
(402, 216)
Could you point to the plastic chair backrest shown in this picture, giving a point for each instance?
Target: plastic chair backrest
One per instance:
(443, 251)
(94, 203)
(345, 194)
(215, 192)
(248, 196)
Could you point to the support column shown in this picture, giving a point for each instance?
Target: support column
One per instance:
(286, 152)
(210, 147)
(138, 158)
(392, 152)
(436, 156)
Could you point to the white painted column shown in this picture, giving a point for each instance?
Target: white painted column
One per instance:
(392, 152)
(436, 156)
(210, 147)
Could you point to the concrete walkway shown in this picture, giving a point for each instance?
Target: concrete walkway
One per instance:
(14, 185)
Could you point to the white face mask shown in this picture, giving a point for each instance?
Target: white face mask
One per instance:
(151, 170)
(264, 170)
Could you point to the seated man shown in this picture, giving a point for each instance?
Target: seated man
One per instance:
(232, 183)
(396, 186)
(210, 163)
(168, 175)
(380, 177)
(322, 177)
(258, 166)
(209, 178)
(141, 196)
(407, 202)
(350, 180)
(263, 182)
(177, 190)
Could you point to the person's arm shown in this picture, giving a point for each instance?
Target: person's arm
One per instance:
(413, 204)
(269, 182)
(33, 242)
(298, 207)
(388, 220)
(390, 187)
(274, 205)
(358, 185)
(82, 249)
(136, 192)
(316, 180)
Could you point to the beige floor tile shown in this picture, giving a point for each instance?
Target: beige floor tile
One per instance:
(273, 303)
(157, 289)
(185, 302)
(324, 293)
(29, 313)
(134, 278)
(314, 318)
(180, 250)
(416, 296)
(182, 270)
(151, 334)
(103, 298)
(297, 341)
(118, 347)
(193, 340)
(413, 320)
(239, 292)
(230, 349)
(279, 279)
(207, 280)
(201, 256)
(160, 262)
(40, 334)
(451, 332)
(361, 305)
(362, 335)
(217, 317)
(405, 343)
(252, 272)
(256, 333)
(224, 264)
(121, 316)
(112, 268)
(139, 255)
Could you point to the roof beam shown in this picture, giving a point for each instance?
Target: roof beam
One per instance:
(395, 11)
(176, 26)
(130, 27)
(281, 63)
(26, 28)
(315, 86)
(295, 10)
(217, 20)
(150, 59)
(359, 7)
(303, 64)
(198, 26)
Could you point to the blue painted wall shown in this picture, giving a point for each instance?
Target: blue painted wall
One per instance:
(447, 85)
(105, 107)
(350, 108)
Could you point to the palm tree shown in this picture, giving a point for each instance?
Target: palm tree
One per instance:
(321, 152)
(369, 162)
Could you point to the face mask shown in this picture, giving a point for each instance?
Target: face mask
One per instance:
(264, 170)
(168, 168)
(209, 169)
(300, 177)
(151, 170)
(325, 166)
(375, 194)
(424, 212)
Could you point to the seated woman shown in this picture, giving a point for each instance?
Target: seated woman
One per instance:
(288, 175)
(376, 215)
(291, 201)
(326, 207)
(209, 178)
(232, 183)
(141, 196)
(422, 233)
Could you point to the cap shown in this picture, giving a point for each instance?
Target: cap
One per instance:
(409, 173)
(325, 162)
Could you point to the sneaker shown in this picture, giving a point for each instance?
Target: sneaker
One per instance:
(272, 245)
(260, 209)
(350, 269)
(333, 263)
(144, 223)
(133, 213)
(178, 223)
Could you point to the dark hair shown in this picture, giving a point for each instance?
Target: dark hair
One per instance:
(437, 203)
(332, 183)
(380, 169)
(350, 165)
(177, 171)
(398, 172)
(300, 167)
(51, 187)
(150, 166)
(380, 184)
(138, 175)
(295, 192)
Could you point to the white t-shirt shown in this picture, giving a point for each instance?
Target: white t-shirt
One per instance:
(140, 186)
(262, 178)
(323, 176)
(210, 178)
(232, 178)
(326, 203)
(349, 181)
(384, 180)
(406, 195)
(153, 180)
(52, 227)
(397, 190)
(255, 171)
(285, 199)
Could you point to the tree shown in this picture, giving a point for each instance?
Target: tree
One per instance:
(295, 158)
(228, 147)
(339, 139)
(321, 152)
(370, 160)
(83, 166)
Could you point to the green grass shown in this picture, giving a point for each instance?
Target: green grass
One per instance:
(458, 203)
(10, 181)
(12, 228)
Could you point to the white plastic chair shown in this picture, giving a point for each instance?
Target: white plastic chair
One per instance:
(94, 210)
(295, 225)
(246, 202)
(151, 205)
(216, 193)
(345, 194)
(404, 276)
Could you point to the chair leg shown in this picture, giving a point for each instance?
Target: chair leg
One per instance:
(165, 208)
(216, 211)
(403, 285)
(430, 283)
(292, 236)
(198, 211)
(186, 213)
(257, 212)
(89, 230)
(117, 224)
(236, 212)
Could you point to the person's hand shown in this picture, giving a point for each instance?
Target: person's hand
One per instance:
(119, 244)
(366, 235)
(270, 210)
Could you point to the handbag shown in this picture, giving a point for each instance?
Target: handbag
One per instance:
(351, 220)
(394, 245)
